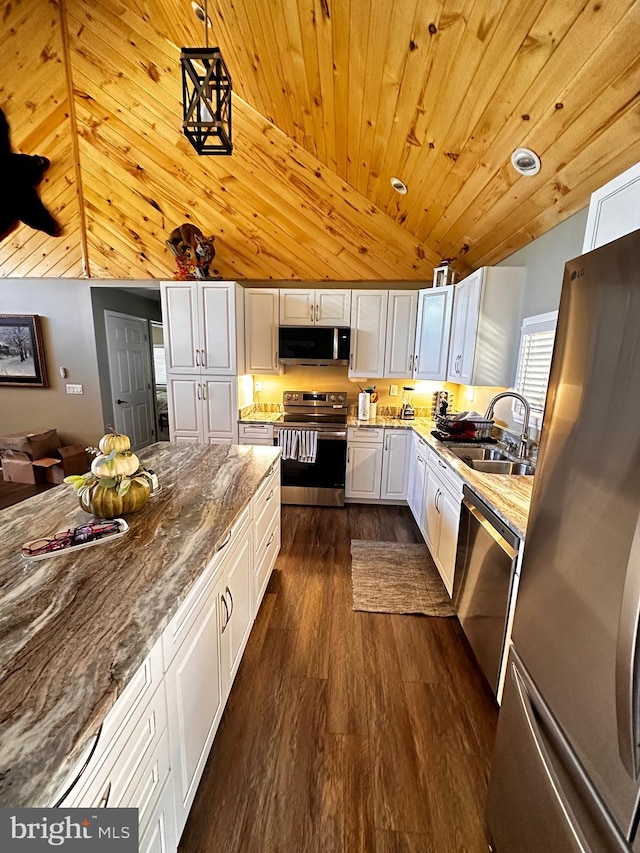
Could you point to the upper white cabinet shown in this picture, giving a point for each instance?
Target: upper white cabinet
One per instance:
(614, 210)
(485, 329)
(368, 329)
(261, 329)
(312, 307)
(433, 328)
(402, 308)
(203, 410)
(204, 327)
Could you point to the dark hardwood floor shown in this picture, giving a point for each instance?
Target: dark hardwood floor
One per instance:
(13, 493)
(346, 731)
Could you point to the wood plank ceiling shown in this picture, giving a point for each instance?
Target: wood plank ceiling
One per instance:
(331, 99)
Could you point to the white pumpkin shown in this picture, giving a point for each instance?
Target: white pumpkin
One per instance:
(114, 441)
(119, 465)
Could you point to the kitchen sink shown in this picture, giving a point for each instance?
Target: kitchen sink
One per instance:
(491, 460)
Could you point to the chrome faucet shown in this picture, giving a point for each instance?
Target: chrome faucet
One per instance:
(523, 447)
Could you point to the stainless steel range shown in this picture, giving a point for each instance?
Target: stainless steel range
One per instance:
(319, 482)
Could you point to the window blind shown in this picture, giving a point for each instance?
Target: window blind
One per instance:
(534, 363)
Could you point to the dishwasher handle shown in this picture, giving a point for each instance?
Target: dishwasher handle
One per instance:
(497, 529)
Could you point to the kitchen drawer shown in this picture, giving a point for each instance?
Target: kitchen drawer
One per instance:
(422, 448)
(446, 473)
(372, 435)
(187, 613)
(111, 776)
(118, 725)
(266, 556)
(145, 788)
(255, 431)
(265, 513)
(161, 834)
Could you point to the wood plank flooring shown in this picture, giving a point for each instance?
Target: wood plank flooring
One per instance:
(346, 731)
(13, 493)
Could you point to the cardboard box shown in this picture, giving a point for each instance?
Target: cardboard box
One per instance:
(21, 471)
(34, 444)
(72, 459)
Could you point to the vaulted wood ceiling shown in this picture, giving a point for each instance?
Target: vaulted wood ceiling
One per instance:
(331, 99)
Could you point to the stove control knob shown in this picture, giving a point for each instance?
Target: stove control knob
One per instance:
(332, 398)
(341, 398)
(296, 396)
(287, 396)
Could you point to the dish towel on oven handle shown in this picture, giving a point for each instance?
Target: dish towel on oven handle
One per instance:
(308, 446)
(288, 440)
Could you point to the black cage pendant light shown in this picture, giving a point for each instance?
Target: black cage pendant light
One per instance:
(206, 97)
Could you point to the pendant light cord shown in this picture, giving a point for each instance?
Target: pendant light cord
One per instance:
(206, 25)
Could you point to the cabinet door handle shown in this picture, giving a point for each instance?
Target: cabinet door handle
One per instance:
(415, 362)
(438, 496)
(104, 802)
(311, 318)
(198, 390)
(442, 464)
(228, 591)
(348, 455)
(351, 361)
(204, 391)
(224, 542)
(271, 538)
(410, 364)
(197, 358)
(87, 762)
(202, 358)
(317, 312)
(270, 495)
(226, 611)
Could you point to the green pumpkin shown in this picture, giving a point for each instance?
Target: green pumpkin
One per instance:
(105, 502)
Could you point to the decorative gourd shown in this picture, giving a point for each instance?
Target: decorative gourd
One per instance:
(114, 441)
(119, 465)
(105, 502)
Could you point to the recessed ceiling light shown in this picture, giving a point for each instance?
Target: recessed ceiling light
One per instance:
(399, 186)
(200, 13)
(525, 161)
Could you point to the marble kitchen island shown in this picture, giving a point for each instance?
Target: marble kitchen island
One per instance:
(75, 628)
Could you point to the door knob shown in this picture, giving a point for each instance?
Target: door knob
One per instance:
(120, 402)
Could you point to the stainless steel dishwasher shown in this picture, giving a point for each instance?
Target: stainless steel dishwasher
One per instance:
(485, 573)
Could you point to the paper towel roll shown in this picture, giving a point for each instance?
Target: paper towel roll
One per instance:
(364, 401)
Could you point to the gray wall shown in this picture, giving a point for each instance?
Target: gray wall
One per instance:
(544, 259)
(106, 297)
(64, 307)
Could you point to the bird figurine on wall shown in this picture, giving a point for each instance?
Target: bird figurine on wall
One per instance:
(187, 242)
(20, 174)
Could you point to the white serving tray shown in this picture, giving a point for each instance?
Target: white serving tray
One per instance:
(109, 537)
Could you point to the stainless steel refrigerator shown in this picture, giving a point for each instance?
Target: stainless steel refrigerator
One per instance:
(565, 773)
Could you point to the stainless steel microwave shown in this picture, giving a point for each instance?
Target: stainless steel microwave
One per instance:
(318, 345)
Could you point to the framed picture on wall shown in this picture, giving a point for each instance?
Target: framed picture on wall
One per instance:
(21, 351)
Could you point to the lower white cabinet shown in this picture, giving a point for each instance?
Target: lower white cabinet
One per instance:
(364, 463)
(195, 703)
(395, 464)
(161, 836)
(235, 593)
(442, 505)
(203, 409)
(255, 433)
(419, 452)
(377, 463)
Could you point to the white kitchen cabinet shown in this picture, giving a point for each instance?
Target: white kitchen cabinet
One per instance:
(433, 329)
(417, 479)
(400, 333)
(255, 433)
(395, 464)
(365, 448)
(485, 327)
(368, 330)
(266, 533)
(315, 307)
(161, 835)
(203, 327)
(261, 329)
(195, 702)
(202, 409)
(235, 593)
(442, 506)
(614, 210)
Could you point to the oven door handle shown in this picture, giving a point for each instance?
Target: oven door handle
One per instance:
(323, 434)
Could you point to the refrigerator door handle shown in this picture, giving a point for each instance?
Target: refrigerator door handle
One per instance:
(584, 789)
(628, 664)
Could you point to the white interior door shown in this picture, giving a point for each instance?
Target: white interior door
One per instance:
(130, 374)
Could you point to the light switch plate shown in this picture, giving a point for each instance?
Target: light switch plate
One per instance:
(75, 389)
(393, 391)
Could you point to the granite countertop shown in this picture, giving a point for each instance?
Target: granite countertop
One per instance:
(113, 599)
(508, 495)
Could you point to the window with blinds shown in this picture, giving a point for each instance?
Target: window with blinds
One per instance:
(534, 364)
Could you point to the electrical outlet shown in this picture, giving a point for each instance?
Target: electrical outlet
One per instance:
(75, 389)
(258, 386)
(393, 391)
